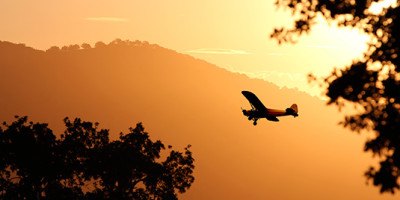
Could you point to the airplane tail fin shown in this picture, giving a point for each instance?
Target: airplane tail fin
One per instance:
(293, 110)
(294, 107)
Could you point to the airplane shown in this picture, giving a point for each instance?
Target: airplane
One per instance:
(260, 111)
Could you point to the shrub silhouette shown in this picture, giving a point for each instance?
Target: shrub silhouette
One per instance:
(84, 164)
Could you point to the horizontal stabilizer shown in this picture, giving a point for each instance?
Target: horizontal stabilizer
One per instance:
(292, 110)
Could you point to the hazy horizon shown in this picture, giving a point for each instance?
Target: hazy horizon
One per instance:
(231, 34)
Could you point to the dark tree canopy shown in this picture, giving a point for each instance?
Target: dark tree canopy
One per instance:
(85, 164)
(373, 82)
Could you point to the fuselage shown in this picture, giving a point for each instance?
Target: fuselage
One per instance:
(265, 114)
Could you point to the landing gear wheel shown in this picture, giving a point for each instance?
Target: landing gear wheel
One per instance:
(254, 123)
(250, 118)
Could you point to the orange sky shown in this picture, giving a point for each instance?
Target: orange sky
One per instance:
(233, 34)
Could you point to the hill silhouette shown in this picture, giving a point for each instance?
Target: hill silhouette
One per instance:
(183, 100)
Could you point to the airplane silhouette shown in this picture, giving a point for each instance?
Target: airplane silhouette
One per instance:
(260, 111)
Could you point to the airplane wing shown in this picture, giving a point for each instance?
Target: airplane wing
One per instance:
(273, 118)
(254, 101)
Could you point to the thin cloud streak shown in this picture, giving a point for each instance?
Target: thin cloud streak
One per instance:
(219, 51)
(275, 54)
(322, 46)
(266, 75)
(107, 19)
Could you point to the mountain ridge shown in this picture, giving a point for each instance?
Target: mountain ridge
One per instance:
(137, 43)
(183, 100)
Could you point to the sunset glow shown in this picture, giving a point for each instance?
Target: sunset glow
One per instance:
(111, 19)
(179, 67)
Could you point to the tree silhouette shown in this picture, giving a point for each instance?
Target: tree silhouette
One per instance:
(86, 46)
(85, 164)
(372, 82)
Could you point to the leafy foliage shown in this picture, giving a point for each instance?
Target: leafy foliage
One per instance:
(85, 164)
(372, 82)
